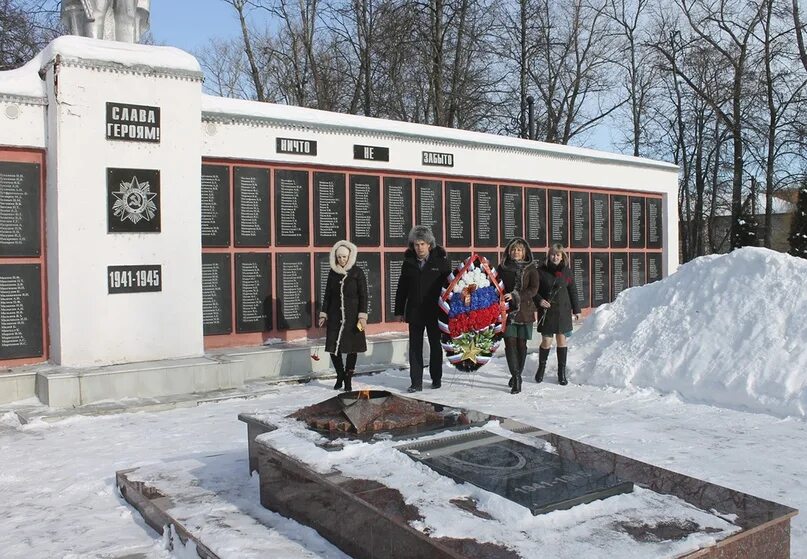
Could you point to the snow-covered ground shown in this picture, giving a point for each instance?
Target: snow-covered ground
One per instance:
(702, 373)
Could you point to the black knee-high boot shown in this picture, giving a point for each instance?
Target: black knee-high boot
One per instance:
(336, 359)
(562, 353)
(521, 355)
(511, 353)
(543, 355)
(350, 369)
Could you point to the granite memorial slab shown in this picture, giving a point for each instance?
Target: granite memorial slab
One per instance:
(365, 210)
(429, 206)
(251, 207)
(536, 479)
(215, 206)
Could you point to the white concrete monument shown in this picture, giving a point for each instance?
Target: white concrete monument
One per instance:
(113, 20)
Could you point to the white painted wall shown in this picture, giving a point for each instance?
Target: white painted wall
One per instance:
(22, 121)
(88, 326)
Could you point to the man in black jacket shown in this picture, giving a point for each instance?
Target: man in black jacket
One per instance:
(423, 273)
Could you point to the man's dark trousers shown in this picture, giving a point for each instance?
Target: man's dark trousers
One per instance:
(416, 351)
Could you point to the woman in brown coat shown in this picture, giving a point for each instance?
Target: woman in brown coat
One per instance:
(520, 277)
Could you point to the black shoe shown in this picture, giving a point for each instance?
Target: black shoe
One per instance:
(348, 379)
(436, 384)
(516, 385)
(414, 389)
(338, 384)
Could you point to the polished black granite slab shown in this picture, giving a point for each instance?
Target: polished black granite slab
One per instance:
(534, 478)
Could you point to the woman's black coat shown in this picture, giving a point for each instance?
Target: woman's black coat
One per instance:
(342, 336)
(557, 287)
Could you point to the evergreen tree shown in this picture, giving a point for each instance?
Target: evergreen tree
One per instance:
(746, 229)
(798, 227)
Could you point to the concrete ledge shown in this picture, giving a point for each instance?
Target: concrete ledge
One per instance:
(19, 384)
(222, 369)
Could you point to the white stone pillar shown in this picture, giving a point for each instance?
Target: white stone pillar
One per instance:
(87, 324)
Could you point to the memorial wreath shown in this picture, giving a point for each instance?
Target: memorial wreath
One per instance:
(474, 314)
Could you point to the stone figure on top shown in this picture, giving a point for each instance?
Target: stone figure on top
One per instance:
(113, 20)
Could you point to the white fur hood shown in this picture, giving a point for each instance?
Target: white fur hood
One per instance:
(351, 260)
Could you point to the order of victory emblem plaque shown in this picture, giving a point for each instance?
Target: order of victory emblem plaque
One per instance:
(133, 197)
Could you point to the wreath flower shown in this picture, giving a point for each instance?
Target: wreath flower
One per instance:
(475, 314)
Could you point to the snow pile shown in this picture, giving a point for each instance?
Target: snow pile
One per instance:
(727, 330)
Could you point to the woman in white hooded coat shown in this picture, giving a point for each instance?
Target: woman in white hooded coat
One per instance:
(344, 309)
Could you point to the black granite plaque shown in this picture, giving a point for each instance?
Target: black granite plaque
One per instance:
(637, 270)
(133, 200)
(492, 256)
(637, 222)
(581, 270)
(535, 211)
(559, 217)
(580, 220)
(20, 209)
(654, 267)
(457, 258)
(600, 278)
(371, 266)
(536, 479)
(370, 153)
(322, 267)
(253, 292)
(215, 206)
(134, 123)
(486, 215)
(291, 208)
(511, 210)
(619, 221)
(293, 293)
(217, 312)
(429, 206)
(365, 210)
(619, 273)
(251, 197)
(330, 209)
(458, 214)
(139, 278)
(20, 311)
(600, 232)
(397, 211)
(654, 223)
(392, 271)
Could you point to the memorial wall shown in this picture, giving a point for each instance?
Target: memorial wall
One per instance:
(267, 230)
(22, 303)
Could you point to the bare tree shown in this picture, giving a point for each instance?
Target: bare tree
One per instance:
(728, 29)
(226, 69)
(781, 91)
(26, 27)
(799, 29)
(571, 68)
(635, 62)
(240, 6)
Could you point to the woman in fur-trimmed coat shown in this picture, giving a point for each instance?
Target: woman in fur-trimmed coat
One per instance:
(344, 309)
(520, 278)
